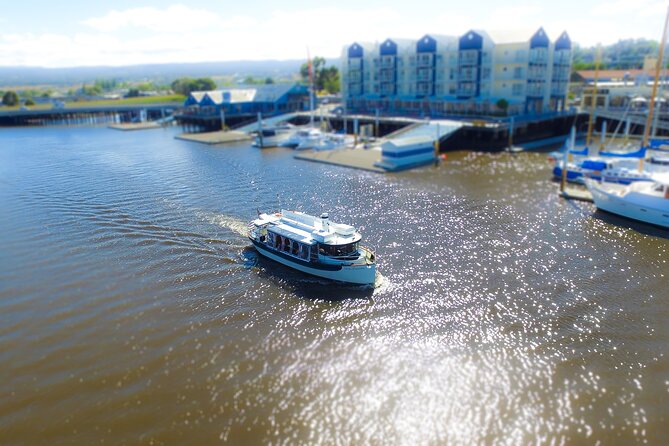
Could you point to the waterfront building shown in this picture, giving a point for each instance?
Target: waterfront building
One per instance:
(440, 75)
(269, 100)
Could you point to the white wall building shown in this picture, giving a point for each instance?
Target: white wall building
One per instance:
(469, 74)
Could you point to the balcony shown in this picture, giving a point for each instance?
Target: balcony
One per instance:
(355, 64)
(466, 89)
(355, 89)
(387, 89)
(387, 75)
(535, 90)
(535, 73)
(425, 60)
(468, 57)
(468, 74)
(355, 76)
(424, 89)
(388, 62)
(424, 75)
(560, 73)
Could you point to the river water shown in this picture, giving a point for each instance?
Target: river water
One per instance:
(134, 311)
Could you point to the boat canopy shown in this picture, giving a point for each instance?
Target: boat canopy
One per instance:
(583, 151)
(637, 154)
(659, 144)
(292, 233)
(593, 165)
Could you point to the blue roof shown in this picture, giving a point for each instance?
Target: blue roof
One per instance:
(426, 44)
(388, 48)
(539, 39)
(355, 50)
(563, 42)
(471, 41)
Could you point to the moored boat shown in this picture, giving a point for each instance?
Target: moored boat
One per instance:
(272, 137)
(314, 245)
(643, 201)
(301, 136)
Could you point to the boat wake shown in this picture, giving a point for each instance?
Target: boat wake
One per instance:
(225, 221)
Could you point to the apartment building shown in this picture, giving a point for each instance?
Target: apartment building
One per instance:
(469, 74)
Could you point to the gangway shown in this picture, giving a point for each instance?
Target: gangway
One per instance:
(266, 122)
(438, 128)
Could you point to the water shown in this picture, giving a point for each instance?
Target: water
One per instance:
(133, 310)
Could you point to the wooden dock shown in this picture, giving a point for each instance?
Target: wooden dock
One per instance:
(363, 159)
(131, 126)
(572, 193)
(211, 138)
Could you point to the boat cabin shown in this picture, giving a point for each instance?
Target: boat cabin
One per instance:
(306, 237)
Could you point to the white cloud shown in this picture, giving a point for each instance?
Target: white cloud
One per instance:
(175, 18)
(179, 33)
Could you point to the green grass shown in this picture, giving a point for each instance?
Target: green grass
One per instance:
(144, 100)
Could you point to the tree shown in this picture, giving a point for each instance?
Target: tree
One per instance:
(324, 78)
(29, 102)
(331, 82)
(186, 85)
(133, 93)
(503, 105)
(269, 81)
(10, 99)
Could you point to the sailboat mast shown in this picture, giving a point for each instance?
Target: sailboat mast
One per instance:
(311, 89)
(593, 98)
(658, 67)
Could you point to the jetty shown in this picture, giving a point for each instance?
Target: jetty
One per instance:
(364, 159)
(213, 138)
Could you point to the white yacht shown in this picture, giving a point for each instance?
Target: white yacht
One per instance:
(301, 136)
(644, 201)
(273, 137)
(326, 141)
(314, 245)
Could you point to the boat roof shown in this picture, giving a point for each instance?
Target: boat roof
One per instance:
(308, 229)
(662, 178)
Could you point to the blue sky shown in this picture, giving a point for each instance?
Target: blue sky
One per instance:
(73, 33)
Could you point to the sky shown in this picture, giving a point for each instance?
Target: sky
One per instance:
(123, 32)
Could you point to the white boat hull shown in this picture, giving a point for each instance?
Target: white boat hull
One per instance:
(269, 141)
(614, 204)
(356, 274)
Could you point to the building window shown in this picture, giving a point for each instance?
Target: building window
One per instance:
(517, 89)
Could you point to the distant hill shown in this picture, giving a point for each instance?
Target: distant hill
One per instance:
(159, 73)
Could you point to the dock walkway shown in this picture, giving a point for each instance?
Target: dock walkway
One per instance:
(211, 138)
(356, 158)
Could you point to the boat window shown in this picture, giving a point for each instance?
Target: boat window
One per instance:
(338, 250)
(277, 242)
(286, 245)
(304, 251)
(295, 248)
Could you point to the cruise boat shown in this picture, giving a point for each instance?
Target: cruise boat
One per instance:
(314, 245)
(643, 201)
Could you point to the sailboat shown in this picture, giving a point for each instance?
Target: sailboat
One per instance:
(622, 167)
(646, 201)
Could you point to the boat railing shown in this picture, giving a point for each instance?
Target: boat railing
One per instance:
(369, 254)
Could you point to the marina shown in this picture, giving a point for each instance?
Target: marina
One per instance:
(458, 237)
(151, 296)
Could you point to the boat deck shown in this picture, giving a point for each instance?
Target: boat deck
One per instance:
(572, 193)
